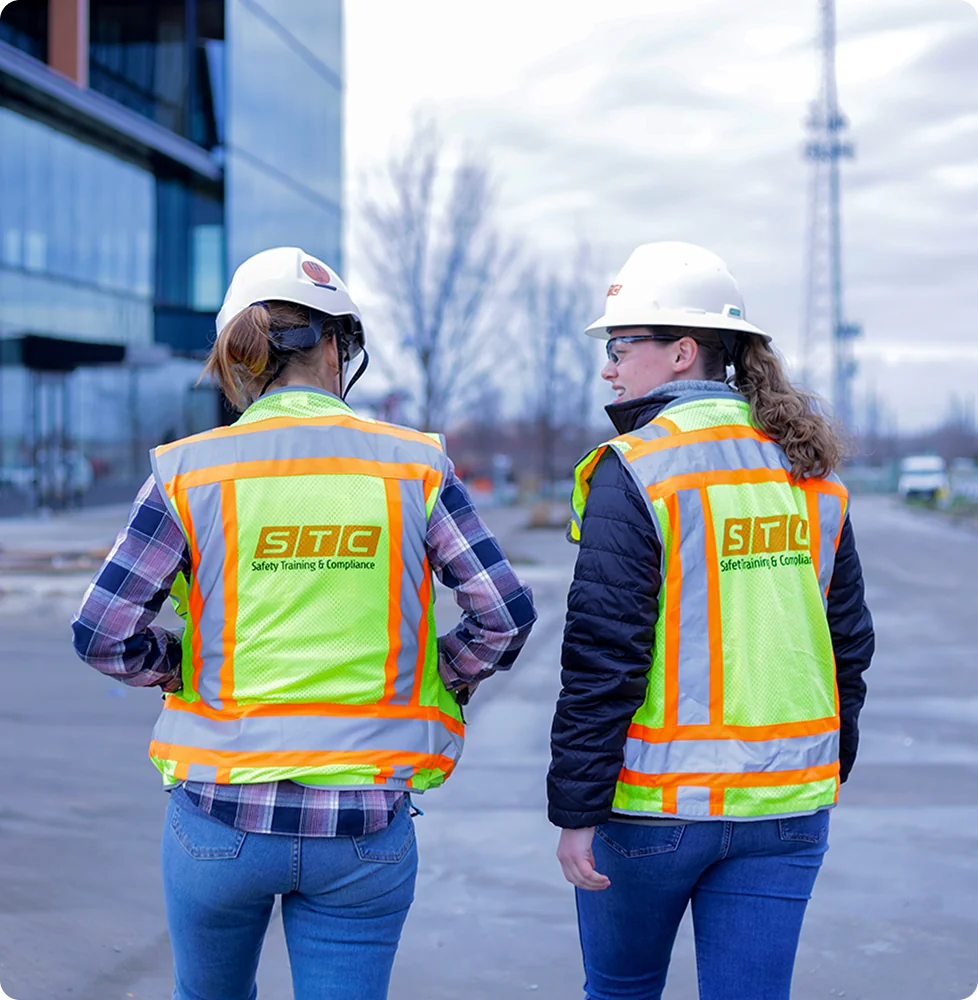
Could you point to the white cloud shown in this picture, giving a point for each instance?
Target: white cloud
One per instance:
(635, 120)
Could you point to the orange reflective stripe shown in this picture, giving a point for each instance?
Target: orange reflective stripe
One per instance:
(674, 593)
(392, 488)
(303, 467)
(713, 616)
(739, 477)
(181, 772)
(426, 712)
(814, 532)
(823, 486)
(678, 439)
(383, 775)
(716, 801)
(298, 758)
(669, 425)
(223, 776)
(229, 517)
(279, 423)
(588, 469)
(751, 779)
(670, 803)
(423, 627)
(195, 601)
(746, 734)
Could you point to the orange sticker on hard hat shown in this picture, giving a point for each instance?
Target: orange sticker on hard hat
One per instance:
(317, 272)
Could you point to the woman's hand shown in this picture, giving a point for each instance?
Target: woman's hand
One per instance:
(577, 860)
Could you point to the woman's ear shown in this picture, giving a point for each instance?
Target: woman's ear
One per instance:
(687, 351)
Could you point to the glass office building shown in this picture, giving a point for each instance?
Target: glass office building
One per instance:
(146, 149)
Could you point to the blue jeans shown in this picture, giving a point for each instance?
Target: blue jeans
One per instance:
(749, 883)
(344, 901)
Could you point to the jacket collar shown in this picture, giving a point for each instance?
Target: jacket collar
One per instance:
(635, 413)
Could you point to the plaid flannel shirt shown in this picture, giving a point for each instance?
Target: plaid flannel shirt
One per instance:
(113, 633)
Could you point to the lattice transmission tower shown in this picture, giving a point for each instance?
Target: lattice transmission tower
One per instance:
(828, 362)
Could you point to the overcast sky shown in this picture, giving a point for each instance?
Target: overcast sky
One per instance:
(629, 121)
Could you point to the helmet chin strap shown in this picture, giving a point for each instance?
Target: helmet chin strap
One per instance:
(356, 377)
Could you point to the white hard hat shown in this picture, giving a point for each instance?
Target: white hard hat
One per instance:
(288, 274)
(674, 284)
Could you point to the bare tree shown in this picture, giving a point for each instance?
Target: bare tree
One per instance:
(586, 305)
(562, 363)
(436, 258)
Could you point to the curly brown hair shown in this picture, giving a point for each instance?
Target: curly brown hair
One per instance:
(788, 415)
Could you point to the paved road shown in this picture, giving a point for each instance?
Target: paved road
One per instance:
(894, 916)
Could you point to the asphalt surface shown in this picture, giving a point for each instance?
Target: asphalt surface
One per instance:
(894, 912)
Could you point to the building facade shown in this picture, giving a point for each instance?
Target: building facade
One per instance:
(146, 149)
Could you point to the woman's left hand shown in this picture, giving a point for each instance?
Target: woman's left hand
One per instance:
(577, 860)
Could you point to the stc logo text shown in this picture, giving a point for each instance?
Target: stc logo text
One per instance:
(745, 536)
(317, 540)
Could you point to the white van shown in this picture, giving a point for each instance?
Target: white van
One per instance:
(923, 477)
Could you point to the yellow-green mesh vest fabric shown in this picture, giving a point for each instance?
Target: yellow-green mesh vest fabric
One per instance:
(310, 650)
(741, 714)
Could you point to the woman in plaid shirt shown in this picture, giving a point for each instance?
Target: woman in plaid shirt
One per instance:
(342, 859)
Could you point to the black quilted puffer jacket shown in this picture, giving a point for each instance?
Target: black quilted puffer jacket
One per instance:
(612, 609)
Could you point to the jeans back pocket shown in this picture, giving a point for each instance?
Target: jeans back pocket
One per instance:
(806, 829)
(391, 844)
(203, 837)
(641, 840)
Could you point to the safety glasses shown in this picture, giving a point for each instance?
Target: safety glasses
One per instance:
(613, 356)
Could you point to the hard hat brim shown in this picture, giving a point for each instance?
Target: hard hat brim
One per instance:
(601, 328)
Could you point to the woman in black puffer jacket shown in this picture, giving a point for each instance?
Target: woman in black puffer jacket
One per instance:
(714, 648)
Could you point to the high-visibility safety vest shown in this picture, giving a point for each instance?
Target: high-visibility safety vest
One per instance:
(310, 650)
(741, 717)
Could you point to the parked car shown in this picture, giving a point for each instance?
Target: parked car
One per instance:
(923, 477)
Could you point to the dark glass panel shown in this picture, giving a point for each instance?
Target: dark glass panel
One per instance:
(138, 57)
(160, 60)
(24, 25)
(190, 247)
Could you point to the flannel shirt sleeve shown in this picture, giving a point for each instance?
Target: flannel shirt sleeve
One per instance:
(112, 630)
(497, 609)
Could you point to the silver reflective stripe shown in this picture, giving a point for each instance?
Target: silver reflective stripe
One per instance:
(206, 773)
(301, 441)
(831, 511)
(402, 773)
(574, 528)
(797, 753)
(413, 556)
(694, 630)
(307, 733)
(692, 802)
(205, 512)
(707, 456)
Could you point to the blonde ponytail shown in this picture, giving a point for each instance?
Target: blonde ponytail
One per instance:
(245, 357)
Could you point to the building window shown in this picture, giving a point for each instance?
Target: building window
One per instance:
(157, 59)
(24, 25)
(69, 210)
(190, 233)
